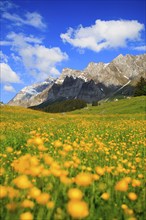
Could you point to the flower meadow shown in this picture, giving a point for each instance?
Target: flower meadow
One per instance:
(72, 166)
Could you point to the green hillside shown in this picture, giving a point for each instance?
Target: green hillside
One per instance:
(91, 159)
(124, 106)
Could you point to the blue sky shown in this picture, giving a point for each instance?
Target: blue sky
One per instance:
(41, 37)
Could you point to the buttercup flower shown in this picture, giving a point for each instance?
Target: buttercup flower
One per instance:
(75, 193)
(26, 216)
(77, 209)
(83, 179)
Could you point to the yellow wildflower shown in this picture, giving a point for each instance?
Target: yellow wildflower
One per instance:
(100, 171)
(124, 206)
(22, 182)
(77, 209)
(34, 192)
(122, 186)
(11, 206)
(27, 204)
(9, 149)
(26, 216)
(83, 179)
(132, 196)
(43, 198)
(136, 182)
(105, 196)
(50, 204)
(75, 193)
(3, 191)
(57, 143)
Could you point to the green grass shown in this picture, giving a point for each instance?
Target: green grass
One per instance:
(124, 106)
(110, 136)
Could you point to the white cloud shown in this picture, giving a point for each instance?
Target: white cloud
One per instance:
(3, 57)
(32, 19)
(140, 48)
(7, 5)
(5, 43)
(41, 60)
(9, 88)
(15, 58)
(104, 34)
(8, 75)
(38, 60)
(20, 40)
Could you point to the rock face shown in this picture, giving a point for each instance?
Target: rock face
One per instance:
(30, 95)
(95, 82)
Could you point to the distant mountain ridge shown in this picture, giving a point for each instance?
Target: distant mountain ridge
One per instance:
(97, 81)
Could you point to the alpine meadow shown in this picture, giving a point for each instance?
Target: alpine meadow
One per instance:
(86, 164)
(73, 110)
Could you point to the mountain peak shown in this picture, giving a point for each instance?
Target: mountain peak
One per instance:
(106, 78)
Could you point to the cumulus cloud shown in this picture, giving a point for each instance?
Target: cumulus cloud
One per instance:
(38, 60)
(104, 34)
(9, 88)
(32, 19)
(20, 40)
(8, 75)
(7, 5)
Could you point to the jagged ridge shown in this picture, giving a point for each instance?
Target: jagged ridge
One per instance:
(95, 82)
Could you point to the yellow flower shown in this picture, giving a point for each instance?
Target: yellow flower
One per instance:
(9, 149)
(22, 182)
(57, 143)
(105, 196)
(55, 172)
(136, 183)
(38, 141)
(43, 198)
(50, 204)
(26, 216)
(11, 206)
(65, 180)
(48, 160)
(132, 196)
(124, 206)
(100, 171)
(75, 194)
(77, 209)
(27, 204)
(67, 148)
(127, 179)
(34, 192)
(122, 186)
(83, 179)
(95, 177)
(140, 176)
(132, 218)
(2, 171)
(3, 191)
(12, 193)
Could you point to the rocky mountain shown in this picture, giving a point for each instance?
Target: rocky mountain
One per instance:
(29, 95)
(97, 81)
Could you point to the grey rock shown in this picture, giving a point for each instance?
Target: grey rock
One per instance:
(97, 81)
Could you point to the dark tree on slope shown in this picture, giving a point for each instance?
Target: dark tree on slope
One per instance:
(140, 88)
(94, 103)
(65, 106)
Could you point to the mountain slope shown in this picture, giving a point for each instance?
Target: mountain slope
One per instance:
(29, 95)
(97, 81)
(131, 105)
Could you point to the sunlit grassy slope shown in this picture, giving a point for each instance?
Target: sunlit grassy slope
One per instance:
(123, 106)
(86, 164)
